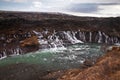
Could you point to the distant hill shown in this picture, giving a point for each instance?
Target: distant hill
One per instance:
(8, 19)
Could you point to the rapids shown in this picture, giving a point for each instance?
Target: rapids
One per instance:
(59, 58)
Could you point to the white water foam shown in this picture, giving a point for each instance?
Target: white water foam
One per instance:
(4, 56)
(71, 37)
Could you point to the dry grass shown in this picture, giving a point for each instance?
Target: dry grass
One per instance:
(106, 68)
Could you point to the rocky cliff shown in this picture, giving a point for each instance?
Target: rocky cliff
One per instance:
(22, 32)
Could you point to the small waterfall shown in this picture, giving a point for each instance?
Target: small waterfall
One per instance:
(81, 36)
(70, 36)
(90, 38)
(74, 37)
(84, 38)
(17, 51)
(106, 37)
(100, 37)
(3, 55)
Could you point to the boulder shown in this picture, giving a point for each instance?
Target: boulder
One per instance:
(87, 63)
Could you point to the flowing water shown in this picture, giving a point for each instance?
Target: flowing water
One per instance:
(52, 39)
(58, 58)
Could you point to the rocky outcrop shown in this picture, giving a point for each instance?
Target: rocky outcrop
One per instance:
(106, 68)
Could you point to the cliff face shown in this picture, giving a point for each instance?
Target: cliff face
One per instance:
(106, 68)
(52, 30)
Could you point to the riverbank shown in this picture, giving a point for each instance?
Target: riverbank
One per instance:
(49, 64)
(106, 68)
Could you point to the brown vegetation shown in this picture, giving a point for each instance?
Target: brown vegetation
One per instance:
(106, 68)
(32, 41)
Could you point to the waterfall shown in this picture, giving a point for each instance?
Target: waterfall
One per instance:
(97, 37)
(106, 37)
(82, 36)
(71, 37)
(74, 37)
(3, 55)
(90, 38)
(64, 37)
(100, 37)
(54, 39)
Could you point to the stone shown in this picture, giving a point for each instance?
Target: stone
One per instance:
(87, 63)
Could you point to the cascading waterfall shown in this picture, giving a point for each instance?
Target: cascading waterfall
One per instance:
(70, 36)
(97, 37)
(58, 39)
